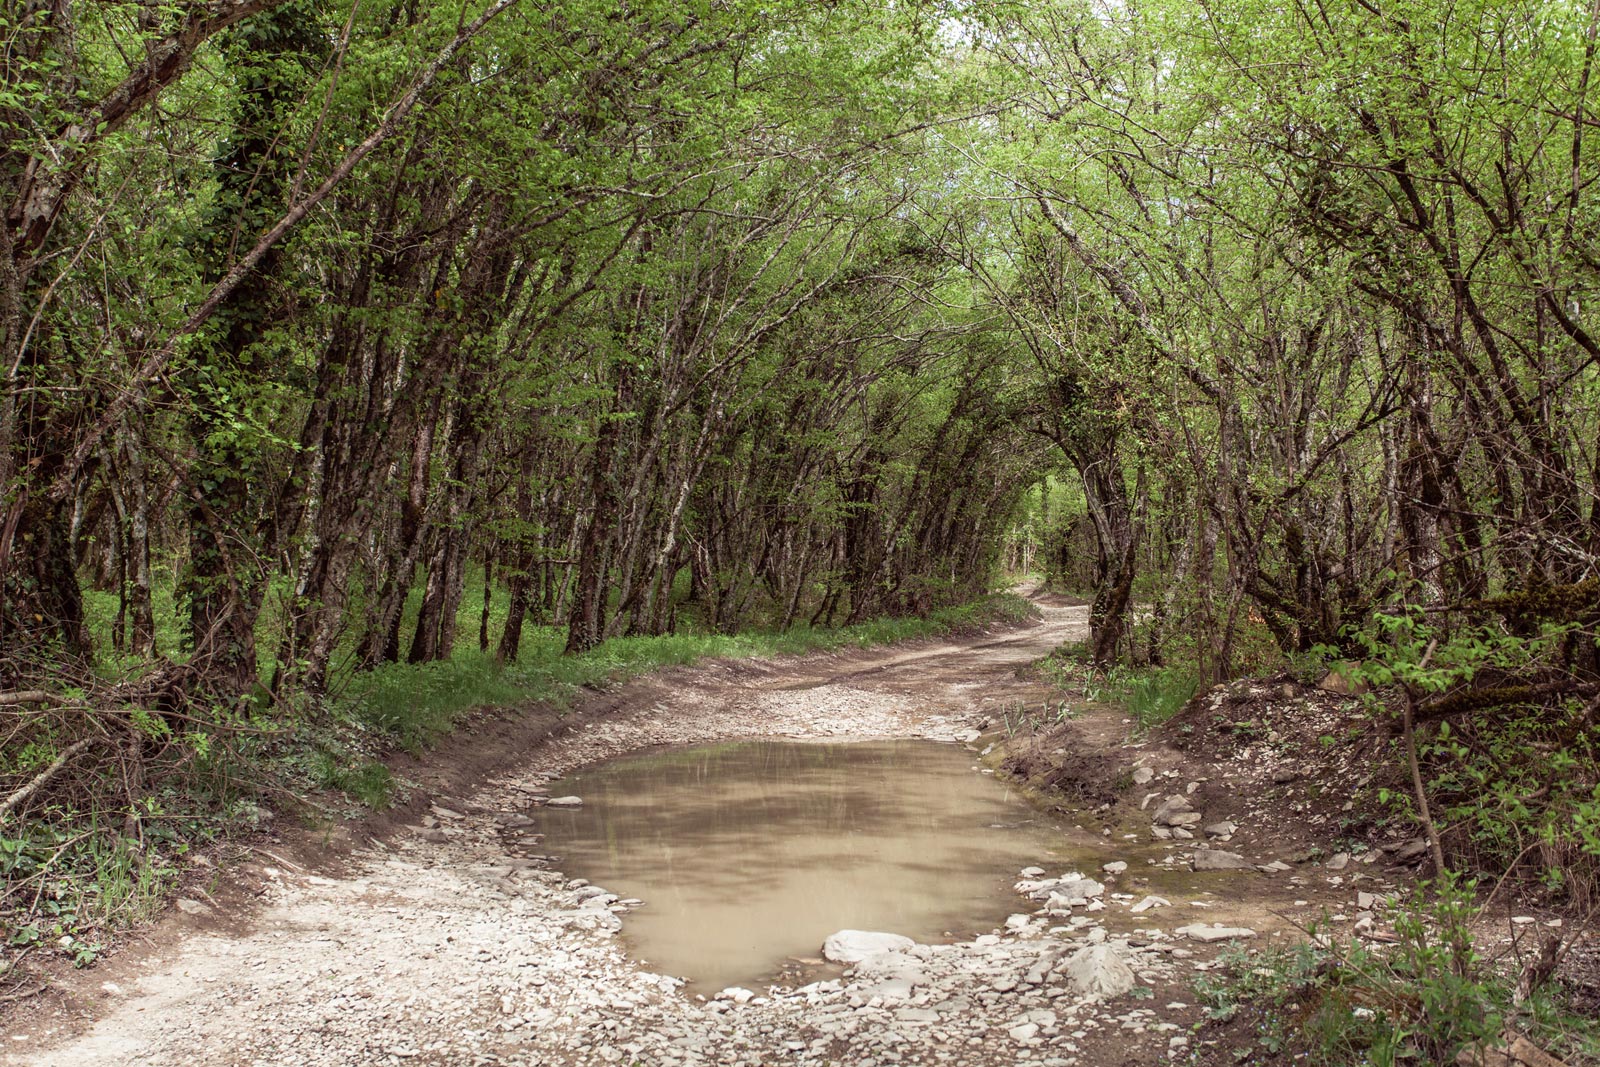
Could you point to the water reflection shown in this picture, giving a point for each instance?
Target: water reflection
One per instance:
(750, 853)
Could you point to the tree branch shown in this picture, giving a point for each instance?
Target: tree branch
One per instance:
(152, 367)
(44, 776)
(45, 189)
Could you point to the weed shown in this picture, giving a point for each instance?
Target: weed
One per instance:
(1020, 718)
(129, 884)
(1423, 999)
(1311, 667)
(369, 781)
(1152, 697)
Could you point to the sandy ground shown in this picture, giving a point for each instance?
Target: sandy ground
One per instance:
(447, 942)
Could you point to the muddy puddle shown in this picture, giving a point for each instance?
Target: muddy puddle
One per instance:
(749, 854)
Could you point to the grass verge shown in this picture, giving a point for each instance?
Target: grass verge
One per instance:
(415, 704)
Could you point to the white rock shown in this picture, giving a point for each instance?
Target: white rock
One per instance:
(1151, 902)
(1208, 934)
(1074, 890)
(564, 802)
(890, 976)
(853, 946)
(893, 989)
(1099, 970)
(737, 994)
(1116, 867)
(1024, 1032)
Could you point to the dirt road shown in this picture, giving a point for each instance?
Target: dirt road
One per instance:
(442, 944)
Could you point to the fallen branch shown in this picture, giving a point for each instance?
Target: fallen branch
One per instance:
(1538, 970)
(275, 856)
(10, 997)
(21, 795)
(1409, 726)
(28, 696)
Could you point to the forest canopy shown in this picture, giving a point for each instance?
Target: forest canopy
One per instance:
(1262, 325)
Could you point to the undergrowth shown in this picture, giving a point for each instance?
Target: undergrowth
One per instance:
(1423, 999)
(1511, 770)
(1151, 695)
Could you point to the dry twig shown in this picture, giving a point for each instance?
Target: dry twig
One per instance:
(44, 776)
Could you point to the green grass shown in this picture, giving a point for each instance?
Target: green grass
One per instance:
(370, 782)
(100, 612)
(1151, 695)
(82, 882)
(1154, 696)
(415, 704)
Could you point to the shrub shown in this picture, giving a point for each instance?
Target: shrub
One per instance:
(1421, 1000)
